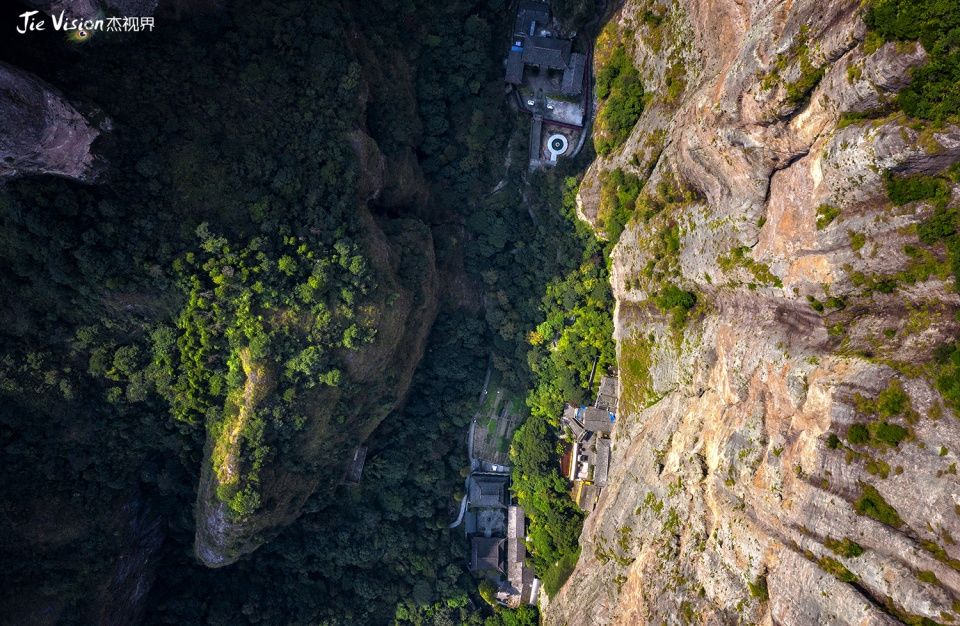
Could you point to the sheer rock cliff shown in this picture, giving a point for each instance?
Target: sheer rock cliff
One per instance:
(738, 491)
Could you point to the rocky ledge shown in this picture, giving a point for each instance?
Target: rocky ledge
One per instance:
(44, 134)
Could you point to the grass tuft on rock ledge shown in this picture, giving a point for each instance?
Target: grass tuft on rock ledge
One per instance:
(871, 504)
(826, 213)
(636, 358)
(845, 548)
(677, 302)
(740, 257)
(837, 570)
(758, 588)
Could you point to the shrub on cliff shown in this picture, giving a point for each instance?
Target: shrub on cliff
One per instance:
(872, 504)
(934, 92)
(677, 302)
(559, 572)
(622, 101)
(905, 189)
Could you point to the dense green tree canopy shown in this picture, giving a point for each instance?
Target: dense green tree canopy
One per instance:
(224, 234)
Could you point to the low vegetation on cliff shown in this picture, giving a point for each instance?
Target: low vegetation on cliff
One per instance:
(933, 99)
(933, 93)
(620, 92)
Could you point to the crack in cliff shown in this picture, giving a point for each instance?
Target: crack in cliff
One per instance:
(778, 167)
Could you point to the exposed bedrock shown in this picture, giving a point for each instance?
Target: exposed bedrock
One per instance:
(739, 489)
(42, 132)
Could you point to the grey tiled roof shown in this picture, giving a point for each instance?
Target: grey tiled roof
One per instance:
(607, 395)
(355, 470)
(515, 67)
(602, 468)
(546, 52)
(488, 491)
(516, 550)
(596, 420)
(573, 78)
(577, 430)
(588, 497)
(530, 11)
(536, 131)
(486, 553)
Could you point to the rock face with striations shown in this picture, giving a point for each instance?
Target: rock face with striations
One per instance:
(44, 134)
(783, 454)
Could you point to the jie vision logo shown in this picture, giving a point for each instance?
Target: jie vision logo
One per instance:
(81, 28)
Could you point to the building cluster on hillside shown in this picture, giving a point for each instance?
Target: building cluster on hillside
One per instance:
(550, 81)
(536, 47)
(587, 462)
(497, 531)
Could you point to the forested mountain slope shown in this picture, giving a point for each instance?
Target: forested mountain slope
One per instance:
(194, 345)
